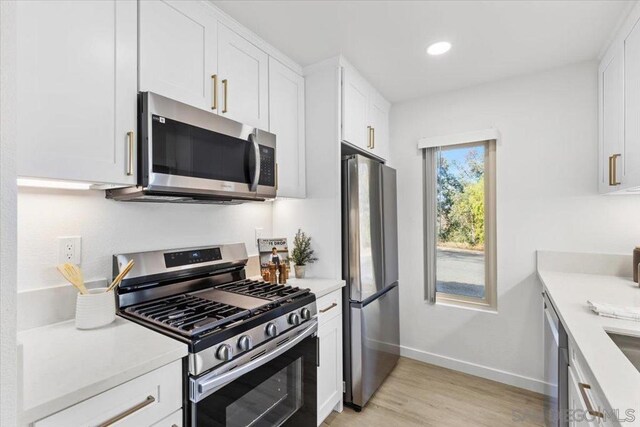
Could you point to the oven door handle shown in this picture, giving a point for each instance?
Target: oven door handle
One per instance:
(255, 178)
(212, 382)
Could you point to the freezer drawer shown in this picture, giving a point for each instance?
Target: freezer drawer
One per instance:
(375, 344)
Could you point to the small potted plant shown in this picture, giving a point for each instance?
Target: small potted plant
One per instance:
(302, 254)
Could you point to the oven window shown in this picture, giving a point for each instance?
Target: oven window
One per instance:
(270, 403)
(281, 392)
(182, 149)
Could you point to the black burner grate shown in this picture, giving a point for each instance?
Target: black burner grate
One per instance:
(189, 315)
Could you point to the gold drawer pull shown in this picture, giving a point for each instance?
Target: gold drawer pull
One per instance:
(329, 308)
(369, 137)
(148, 401)
(583, 391)
(613, 170)
(373, 137)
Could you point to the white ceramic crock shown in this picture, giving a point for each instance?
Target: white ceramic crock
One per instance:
(95, 309)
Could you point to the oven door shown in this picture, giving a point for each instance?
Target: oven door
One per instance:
(186, 150)
(278, 387)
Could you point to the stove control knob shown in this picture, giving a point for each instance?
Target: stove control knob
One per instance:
(305, 313)
(224, 352)
(294, 319)
(244, 343)
(271, 330)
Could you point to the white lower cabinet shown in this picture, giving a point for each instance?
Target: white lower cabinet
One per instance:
(149, 400)
(173, 420)
(330, 369)
(584, 395)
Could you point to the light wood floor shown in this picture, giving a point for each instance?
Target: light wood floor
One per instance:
(419, 394)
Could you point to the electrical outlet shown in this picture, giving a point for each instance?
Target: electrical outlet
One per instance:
(69, 249)
(259, 233)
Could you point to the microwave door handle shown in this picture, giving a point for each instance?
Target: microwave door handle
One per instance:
(256, 172)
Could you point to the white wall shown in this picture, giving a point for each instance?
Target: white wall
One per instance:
(546, 199)
(109, 227)
(8, 355)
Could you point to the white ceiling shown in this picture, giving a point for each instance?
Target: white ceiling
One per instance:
(386, 40)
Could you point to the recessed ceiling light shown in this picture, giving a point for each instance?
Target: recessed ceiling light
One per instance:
(439, 48)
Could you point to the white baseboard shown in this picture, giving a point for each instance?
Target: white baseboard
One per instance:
(498, 375)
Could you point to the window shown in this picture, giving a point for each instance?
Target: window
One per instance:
(460, 226)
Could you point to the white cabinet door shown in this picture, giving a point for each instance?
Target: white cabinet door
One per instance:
(379, 122)
(76, 89)
(286, 121)
(243, 72)
(631, 158)
(178, 51)
(612, 156)
(355, 109)
(330, 369)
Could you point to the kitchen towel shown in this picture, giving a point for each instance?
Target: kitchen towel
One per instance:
(608, 310)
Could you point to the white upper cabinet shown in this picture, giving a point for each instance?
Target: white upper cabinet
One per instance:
(76, 90)
(611, 84)
(379, 122)
(355, 109)
(286, 121)
(243, 72)
(178, 51)
(619, 110)
(632, 108)
(365, 115)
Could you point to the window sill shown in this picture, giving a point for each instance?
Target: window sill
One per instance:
(466, 305)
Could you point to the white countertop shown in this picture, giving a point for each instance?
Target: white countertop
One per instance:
(320, 287)
(63, 366)
(618, 379)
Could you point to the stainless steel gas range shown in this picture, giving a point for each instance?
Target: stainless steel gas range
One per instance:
(253, 349)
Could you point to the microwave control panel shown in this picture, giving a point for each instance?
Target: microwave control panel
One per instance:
(267, 166)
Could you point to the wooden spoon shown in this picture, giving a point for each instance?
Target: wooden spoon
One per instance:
(73, 274)
(120, 276)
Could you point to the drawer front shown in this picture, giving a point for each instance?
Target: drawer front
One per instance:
(140, 402)
(579, 369)
(329, 306)
(173, 420)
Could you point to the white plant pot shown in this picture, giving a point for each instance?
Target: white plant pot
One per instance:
(95, 309)
(300, 271)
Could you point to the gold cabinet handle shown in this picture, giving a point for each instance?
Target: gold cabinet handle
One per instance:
(368, 136)
(148, 401)
(225, 85)
(373, 137)
(276, 177)
(130, 152)
(214, 83)
(583, 391)
(613, 170)
(324, 310)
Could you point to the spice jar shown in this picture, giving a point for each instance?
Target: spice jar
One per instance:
(283, 274)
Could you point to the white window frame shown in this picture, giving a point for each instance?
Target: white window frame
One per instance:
(430, 170)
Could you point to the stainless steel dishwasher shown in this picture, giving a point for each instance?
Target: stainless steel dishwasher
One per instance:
(556, 365)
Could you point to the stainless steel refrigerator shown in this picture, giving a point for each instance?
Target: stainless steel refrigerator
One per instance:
(370, 268)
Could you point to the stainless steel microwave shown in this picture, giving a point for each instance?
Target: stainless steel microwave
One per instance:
(189, 155)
